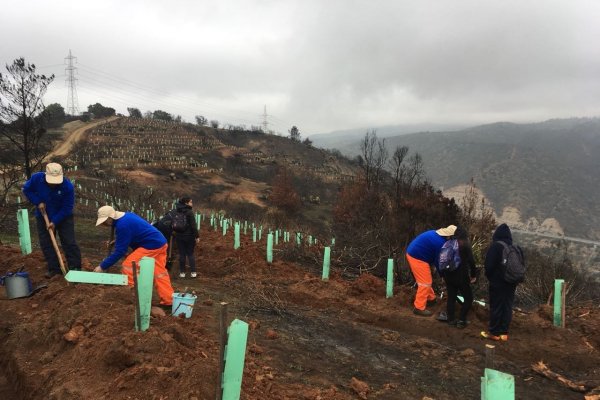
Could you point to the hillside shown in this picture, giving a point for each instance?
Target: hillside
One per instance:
(221, 169)
(542, 170)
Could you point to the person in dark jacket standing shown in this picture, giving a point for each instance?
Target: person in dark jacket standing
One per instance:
(459, 280)
(501, 293)
(186, 240)
(51, 192)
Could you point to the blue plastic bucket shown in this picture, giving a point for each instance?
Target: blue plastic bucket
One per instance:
(183, 303)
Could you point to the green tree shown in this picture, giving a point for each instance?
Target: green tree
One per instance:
(162, 115)
(100, 111)
(134, 112)
(295, 133)
(55, 115)
(201, 120)
(21, 93)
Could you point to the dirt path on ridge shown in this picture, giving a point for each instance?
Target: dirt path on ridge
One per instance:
(75, 136)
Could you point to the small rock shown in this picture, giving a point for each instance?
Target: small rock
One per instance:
(468, 353)
(208, 302)
(253, 324)
(157, 312)
(35, 305)
(360, 388)
(255, 349)
(74, 334)
(271, 334)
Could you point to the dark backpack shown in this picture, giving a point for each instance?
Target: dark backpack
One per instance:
(513, 263)
(164, 225)
(180, 222)
(449, 257)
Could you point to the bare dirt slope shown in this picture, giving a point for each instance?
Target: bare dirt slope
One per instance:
(308, 339)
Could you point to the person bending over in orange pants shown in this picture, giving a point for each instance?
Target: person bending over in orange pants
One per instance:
(422, 252)
(145, 240)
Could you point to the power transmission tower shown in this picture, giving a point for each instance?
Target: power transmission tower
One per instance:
(72, 101)
(265, 123)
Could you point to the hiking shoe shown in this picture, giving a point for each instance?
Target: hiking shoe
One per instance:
(182, 274)
(442, 317)
(51, 274)
(193, 275)
(432, 302)
(453, 322)
(499, 338)
(422, 313)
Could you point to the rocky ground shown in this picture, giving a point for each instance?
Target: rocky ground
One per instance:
(308, 339)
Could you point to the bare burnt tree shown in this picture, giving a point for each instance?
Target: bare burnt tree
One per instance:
(21, 93)
(374, 156)
(399, 171)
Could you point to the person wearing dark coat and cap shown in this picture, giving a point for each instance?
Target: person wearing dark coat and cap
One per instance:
(501, 293)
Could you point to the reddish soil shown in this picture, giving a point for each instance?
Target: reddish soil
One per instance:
(308, 339)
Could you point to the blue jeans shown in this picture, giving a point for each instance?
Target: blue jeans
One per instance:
(66, 231)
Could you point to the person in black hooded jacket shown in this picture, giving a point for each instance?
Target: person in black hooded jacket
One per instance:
(186, 240)
(501, 293)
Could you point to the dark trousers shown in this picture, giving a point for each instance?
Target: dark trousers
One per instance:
(458, 282)
(502, 298)
(66, 231)
(186, 251)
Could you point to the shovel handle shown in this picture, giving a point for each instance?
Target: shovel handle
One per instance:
(112, 238)
(54, 244)
(138, 316)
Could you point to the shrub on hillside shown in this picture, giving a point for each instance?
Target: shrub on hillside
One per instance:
(543, 268)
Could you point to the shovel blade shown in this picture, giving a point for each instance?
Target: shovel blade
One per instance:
(95, 277)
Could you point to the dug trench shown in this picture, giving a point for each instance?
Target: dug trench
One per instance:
(308, 339)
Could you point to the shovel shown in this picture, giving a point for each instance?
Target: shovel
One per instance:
(138, 315)
(51, 232)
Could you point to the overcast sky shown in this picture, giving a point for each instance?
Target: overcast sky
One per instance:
(322, 65)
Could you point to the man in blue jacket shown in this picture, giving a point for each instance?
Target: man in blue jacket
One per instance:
(51, 192)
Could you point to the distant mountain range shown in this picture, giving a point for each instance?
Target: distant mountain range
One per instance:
(539, 176)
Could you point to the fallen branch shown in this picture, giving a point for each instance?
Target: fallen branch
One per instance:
(543, 370)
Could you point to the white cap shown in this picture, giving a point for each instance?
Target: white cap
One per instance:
(54, 173)
(106, 212)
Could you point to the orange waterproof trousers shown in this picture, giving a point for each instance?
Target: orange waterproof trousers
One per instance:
(161, 275)
(422, 272)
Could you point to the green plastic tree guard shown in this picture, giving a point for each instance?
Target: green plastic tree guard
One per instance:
(496, 385)
(224, 227)
(270, 248)
(145, 283)
(559, 311)
(310, 240)
(96, 278)
(236, 242)
(389, 288)
(24, 234)
(298, 238)
(198, 220)
(235, 354)
(326, 260)
(333, 241)
(254, 234)
(260, 234)
(276, 237)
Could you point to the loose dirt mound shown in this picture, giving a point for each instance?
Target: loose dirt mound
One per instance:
(308, 339)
